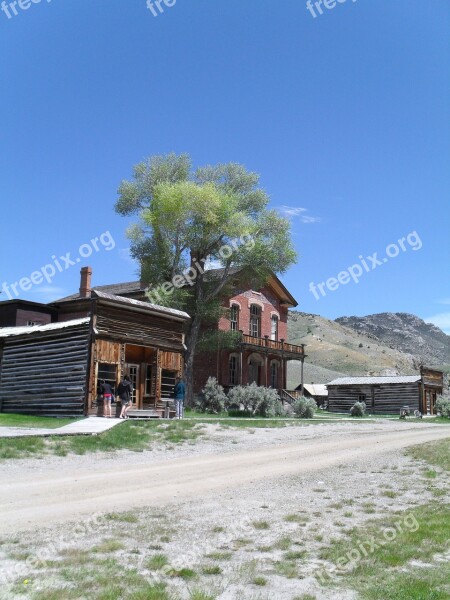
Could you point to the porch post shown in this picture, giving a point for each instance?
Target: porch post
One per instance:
(301, 377)
(266, 362)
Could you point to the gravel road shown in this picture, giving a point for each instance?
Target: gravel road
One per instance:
(34, 494)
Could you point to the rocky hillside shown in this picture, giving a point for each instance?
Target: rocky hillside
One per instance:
(386, 344)
(406, 333)
(334, 350)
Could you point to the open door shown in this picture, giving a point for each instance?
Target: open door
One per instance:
(133, 372)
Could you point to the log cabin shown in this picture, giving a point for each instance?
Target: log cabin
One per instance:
(54, 369)
(387, 395)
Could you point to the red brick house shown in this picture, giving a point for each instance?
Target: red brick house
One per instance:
(259, 317)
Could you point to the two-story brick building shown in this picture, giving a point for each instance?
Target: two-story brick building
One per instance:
(259, 318)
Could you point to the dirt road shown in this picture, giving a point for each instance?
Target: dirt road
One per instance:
(41, 498)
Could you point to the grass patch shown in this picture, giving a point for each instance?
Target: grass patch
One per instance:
(296, 518)
(284, 543)
(386, 571)
(125, 517)
(389, 494)
(259, 580)
(434, 453)
(261, 525)
(21, 447)
(27, 421)
(211, 570)
(136, 436)
(219, 555)
(295, 554)
(157, 562)
(108, 546)
(286, 568)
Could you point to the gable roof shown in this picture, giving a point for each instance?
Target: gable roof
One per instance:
(375, 380)
(315, 389)
(118, 289)
(143, 306)
(138, 288)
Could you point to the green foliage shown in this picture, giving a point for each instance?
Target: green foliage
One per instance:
(443, 406)
(358, 409)
(213, 398)
(304, 408)
(256, 400)
(185, 216)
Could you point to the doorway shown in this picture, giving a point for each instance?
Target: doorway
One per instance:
(134, 375)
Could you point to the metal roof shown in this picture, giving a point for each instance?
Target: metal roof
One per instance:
(128, 287)
(316, 389)
(375, 380)
(10, 331)
(139, 304)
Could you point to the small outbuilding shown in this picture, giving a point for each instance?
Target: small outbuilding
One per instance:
(387, 395)
(317, 391)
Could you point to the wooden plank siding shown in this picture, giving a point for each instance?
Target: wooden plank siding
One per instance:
(45, 373)
(134, 327)
(379, 398)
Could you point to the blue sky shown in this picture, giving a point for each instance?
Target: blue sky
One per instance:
(345, 116)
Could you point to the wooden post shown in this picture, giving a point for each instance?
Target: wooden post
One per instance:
(301, 377)
(266, 361)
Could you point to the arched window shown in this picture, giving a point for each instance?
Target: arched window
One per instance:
(274, 327)
(255, 320)
(234, 317)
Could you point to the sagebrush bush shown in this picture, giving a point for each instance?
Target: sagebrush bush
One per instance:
(304, 408)
(358, 409)
(443, 406)
(256, 400)
(213, 398)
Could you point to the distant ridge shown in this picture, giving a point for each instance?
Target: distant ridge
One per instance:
(407, 333)
(383, 344)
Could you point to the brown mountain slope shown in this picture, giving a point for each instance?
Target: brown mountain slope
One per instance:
(406, 333)
(335, 350)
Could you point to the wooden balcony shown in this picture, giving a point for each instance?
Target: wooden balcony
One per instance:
(290, 351)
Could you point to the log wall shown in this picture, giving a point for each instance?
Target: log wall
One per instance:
(380, 399)
(44, 373)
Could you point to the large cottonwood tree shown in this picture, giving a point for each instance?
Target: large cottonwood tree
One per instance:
(189, 220)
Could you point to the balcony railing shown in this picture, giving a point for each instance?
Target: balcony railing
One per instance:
(277, 345)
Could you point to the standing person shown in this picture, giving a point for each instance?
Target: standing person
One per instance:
(124, 391)
(179, 392)
(107, 393)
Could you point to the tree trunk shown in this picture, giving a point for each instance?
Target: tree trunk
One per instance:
(191, 342)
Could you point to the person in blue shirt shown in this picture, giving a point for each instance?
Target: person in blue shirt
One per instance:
(179, 392)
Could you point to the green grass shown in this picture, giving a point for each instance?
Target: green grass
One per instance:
(157, 562)
(27, 421)
(434, 453)
(211, 570)
(386, 571)
(261, 525)
(132, 435)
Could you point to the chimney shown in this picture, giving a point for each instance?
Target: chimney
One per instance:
(85, 282)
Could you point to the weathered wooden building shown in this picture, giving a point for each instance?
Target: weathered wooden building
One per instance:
(55, 368)
(387, 395)
(316, 391)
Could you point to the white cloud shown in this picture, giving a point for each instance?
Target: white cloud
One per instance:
(444, 301)
(441, 320)
(291, 212)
